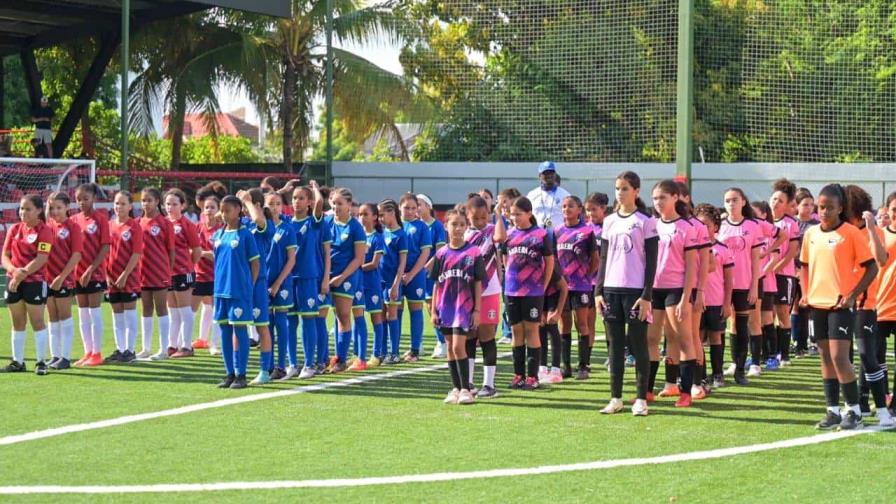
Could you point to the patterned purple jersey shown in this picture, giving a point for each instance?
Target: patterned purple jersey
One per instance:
(598, 232)
(575, 246)
(526, 250)
(484, 240)
(455, 272)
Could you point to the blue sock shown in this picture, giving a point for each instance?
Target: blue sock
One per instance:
(292, 340)
(361, 336)
(227, 347)
(343, 340)
(439, 335)
(505, 326)
(323, 341)
(356, 338)
(795, 329)
(266, 362)
(242, 337)
(309, 339)
(416, 330)
(280, 331)
(379, 343)
(394, 336)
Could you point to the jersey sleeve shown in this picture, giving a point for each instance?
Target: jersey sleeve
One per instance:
(76, 237)
(252, 253)
(403, 243)
(691, 239)
(804, 248)
(357, 233)
(440, 237)
(103, 223)
(326, 232)
(425, 237)
(479, 269)
(861, 248)
(650, 229)
(436, 269)
(191, 233)
(378, 246)
(547, 245)
(289, 238)
(45, 240)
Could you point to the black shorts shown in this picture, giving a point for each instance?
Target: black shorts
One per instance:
(524, 309)
(666, 298)
(122, 297)
(580, 299)
(712, 319)
(63, 292)
(92, 287)
(551, 302)
(767, 301)
(181, 283)
(203, 289)
(865, 323)
(831, 324)
(621, 306)
(786, 290)
(33, 293)
(739, 299)
(457, 331)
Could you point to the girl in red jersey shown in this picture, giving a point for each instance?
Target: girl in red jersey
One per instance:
(124, 281)
(186, 254)
(156, 265)
(203, 289)
(64, 258)
(91, 273)
(25, 253)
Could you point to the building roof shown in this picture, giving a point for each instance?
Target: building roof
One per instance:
(229, 124)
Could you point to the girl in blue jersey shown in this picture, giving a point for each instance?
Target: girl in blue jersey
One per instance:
(236, 270)
(414, 278)
(439, 238)
(349, 245)
(394, 260)
(281, 259)
(307, 207)
(373, 285)
(261, 226)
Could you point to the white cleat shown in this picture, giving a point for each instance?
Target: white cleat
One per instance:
(754, 371)
(639, 408)
(162, 355)
(614, 406)
(307, 373)
(465, 397)
(291, 372)
(452, 397)
(144, 355)
(439, 352)
(729, 371)
(885, 418)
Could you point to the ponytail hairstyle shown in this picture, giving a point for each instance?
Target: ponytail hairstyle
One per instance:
(672, 188)
(456, 212)
(63, 197)
(747, 210)
(270, 184)
(635, 181)
(390, 205)
(344, 193)
(257, 196)
(522, 203)
(91, 188)
(38, 203)
(711, 212)
(598, 198)
(371, 207)
(762, 206)
(685, 191)
(233, 201)
(858, 201)
(476, 202)
(157, 195)
(126, 194)
(785, 186)
(837, 191)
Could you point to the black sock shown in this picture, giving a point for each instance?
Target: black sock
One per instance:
(583, 352)
(567, 350)
(687, 375)
(543, 337)
(672, 371)
(850, 392)
(654, 369)
(463, 366)
(471, 348)
(784, 343)
(756, 348)
(770, 337)
(832, 392)
(556, 345)
(489, 352)
(588, 350)
(519, 360)
(700, 373)
(741, 340)
(534, 359)
(716, 359)
(455, 377)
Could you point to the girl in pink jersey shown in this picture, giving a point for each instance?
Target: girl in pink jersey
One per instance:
(781, 204)
(762, 334)
(742, 235)
(676, 277)
(716, 292)
(799, 316)
(628, 255)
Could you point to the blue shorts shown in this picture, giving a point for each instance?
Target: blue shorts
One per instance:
(285, 298)
(306, 291)
(352, 287)
(430, 284)
(387, 287)
(416, 289)
(261, 304)
(373, 301)
(232, 311)
(325, 300)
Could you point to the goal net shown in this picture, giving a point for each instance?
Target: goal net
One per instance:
(21, 176)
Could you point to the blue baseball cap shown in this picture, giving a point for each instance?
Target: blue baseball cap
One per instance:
(547, 166)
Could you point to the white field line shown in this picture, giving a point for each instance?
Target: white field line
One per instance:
(435, 477)
(113, 422)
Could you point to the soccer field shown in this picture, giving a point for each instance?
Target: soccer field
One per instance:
(325, 443)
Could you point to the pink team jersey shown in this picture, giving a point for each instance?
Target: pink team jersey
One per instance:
(769, 234)
(791, 229)
(714, 290)
(676, 238)
(626, 257)
(741, 239)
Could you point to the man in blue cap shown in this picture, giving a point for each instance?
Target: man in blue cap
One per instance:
(547, 199)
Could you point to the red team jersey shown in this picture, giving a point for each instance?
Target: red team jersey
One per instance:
(96, 234)
(158, 240)
(127, 240)
(186, 238)
(24, 244)
(67, 239)
(205, 268)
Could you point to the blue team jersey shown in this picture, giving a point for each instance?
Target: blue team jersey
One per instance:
(419, 239)
(342, 249)
(309, 259)
(438, 234)
(395, 242)
(234, 251)
(373, 279)
(264, 238)
(283, 240)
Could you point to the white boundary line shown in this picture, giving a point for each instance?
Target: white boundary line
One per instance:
(113, 422)
(435, 477)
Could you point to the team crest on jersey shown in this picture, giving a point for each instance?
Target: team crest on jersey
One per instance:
(278, 236)
(310, 303)
(413, 230)
(216, 243)
(388, 241)
(234, 243)
(375, 299)
(468, 261)
(91, 228)
(31, 238)
(533, 313)
(284, 294)
(580, 236)
(344, 236)
(238, 312)
(126, 235)
(304, 228)
(492, 314)
(155, 230)
(177, 229)
(256, 312)
(63, 233)
(419, 292)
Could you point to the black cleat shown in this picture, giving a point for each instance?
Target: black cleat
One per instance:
(128, 356)
(40, 368)
(14, 367)
(278, 373)
(830, 421)
(851, 421)
(62, 363)
(740, 379)
(53, 361)
(567, 372)
(239, 382)
(227, 381)
(113, 358)
(253, 343)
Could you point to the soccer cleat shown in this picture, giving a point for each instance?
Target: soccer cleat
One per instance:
(95, 360)
(253, 343)
(200, 344)
(114, 357)
(830, 421)
(517, 382)
(227, 381)
(337, 368)
(630, 361)
(614, 406)
(410, 356)
(171, 351)
(212, 350)
(650, 398)
(307, 373)
(885, 418)
(754, 371)
(162, 355)
(505, 341)
(851, 421)
(531, 383)
(567, 372)
(466, 397)
(374, 362)
(670, 390)
(183, 352)
(730, 370)
(144, 355)
(698, 393)
(278, 373)
(62, 363)
(772, 364)
(128, 356)
(54, 360)
(14, 367)
(239, 382)
(291, 372)
(555, 376)
(439, 352)
(391, 360)
(40, 368)
(784, 363)
(319, 369)
(640, 408)
(813, 351)
(263, 378)
(718, 382)
(582, 374)
(740, 379)
(80, 362)
(452, 397)
(358, 365)
(684, 401)
(487, 392)
(543, 373)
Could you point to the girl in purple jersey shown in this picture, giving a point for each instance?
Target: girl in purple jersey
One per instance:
(596, 210)
(529, 262)
(458, 272)
(676, 277)
(781, 204)
(628, 254)
(762, 317)
(717, 292)
(577, 255)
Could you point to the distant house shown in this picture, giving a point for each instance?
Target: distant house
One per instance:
(229, 124)
(401, 140)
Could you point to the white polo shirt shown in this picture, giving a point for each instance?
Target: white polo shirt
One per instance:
(546, 205)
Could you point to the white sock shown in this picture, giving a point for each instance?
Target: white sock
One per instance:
(174, 328)
(472, 365)
(68, 334)
(119, 330)
(164, 327)
(855, 409)
(130, 323)
(488, 373)
(253, 334)
(542, 369)
(53, 329)
(146, 322)
(187, 323)
(205, 321)
(834, 409)
(84, 327)
(40, 339)
(216, 336)
(18, 346)
(96, 328)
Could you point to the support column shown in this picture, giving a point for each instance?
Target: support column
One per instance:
(684, 123)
